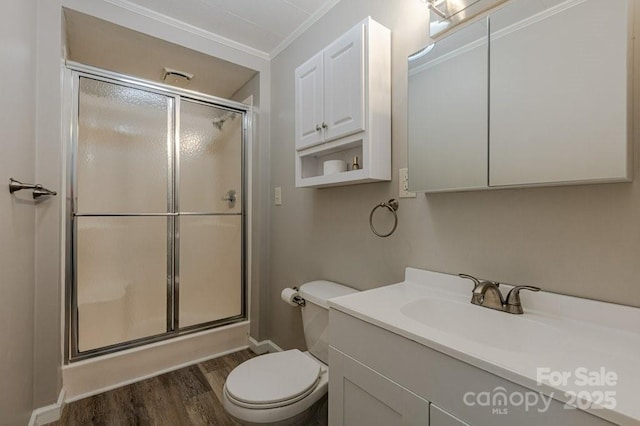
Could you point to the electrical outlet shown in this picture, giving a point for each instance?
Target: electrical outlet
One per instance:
(277, 196)
(403, 179)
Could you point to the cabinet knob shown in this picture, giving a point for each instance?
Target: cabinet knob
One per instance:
(325, 126)
(318, 128)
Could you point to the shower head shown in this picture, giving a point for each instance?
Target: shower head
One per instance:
(218, 122)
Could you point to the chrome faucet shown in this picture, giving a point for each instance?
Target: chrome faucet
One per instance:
(487, 294)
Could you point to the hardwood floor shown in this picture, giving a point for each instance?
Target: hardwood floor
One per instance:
(190, 396)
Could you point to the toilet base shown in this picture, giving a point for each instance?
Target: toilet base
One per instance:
(316, 415)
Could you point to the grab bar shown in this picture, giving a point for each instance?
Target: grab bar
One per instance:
(38, 190)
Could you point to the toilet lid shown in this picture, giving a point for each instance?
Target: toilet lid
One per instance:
(273, 379)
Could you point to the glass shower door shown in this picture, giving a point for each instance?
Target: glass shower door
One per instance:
(210, 209)
(157, 231)
(122, 219)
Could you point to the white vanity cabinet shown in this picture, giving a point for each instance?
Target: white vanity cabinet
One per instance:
(361, 396)
(343, 108)
(439, 417)
(378, 377)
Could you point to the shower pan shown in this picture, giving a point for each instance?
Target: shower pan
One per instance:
(156, 223)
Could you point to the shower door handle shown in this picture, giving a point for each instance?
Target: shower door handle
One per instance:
(231, 197)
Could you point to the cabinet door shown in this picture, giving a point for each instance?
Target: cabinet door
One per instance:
(344, 101)
(439, 417)
(448, 113)
(359, 396)
(559, 92)
(309, 78)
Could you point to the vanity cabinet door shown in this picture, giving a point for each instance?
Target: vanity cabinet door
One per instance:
(309, 80)
(439, 417)
(559, 93)
(359, 396)
(344, 100)
(448, 113)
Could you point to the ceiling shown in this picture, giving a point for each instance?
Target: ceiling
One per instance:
(101, 44)
(263, 25)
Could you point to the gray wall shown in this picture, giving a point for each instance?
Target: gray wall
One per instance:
(48, 335)
(580, 240)
(259, 175)
(17, 212)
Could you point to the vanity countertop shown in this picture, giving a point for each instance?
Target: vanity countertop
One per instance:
(595, 345)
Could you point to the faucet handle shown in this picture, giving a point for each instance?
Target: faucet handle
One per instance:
(477, 282)
(513, 305)
(472, 278)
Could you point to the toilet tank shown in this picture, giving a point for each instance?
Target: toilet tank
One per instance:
(315, 314)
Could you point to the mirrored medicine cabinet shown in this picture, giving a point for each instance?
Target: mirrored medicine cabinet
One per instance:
(534, 94)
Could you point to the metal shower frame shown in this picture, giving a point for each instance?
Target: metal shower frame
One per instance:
(176, 95)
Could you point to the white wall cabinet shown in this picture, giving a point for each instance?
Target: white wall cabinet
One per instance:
(343, 108)
(309, 102)
(330, 91)
(556, 77)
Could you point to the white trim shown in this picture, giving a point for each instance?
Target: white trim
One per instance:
(48, 414)
(143, 11)
(263, 347)
(176, 23)
(540, 16)
(86, 378)
(302, 28)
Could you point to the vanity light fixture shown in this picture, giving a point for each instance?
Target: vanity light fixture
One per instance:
(438, 22)
(433, 6)
(445, 14)
(445, 9)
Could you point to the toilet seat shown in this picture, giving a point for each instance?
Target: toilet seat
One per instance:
(273, 380)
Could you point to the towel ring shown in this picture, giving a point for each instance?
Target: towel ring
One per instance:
(392, 205)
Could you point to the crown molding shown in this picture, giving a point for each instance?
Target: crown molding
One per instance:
(326, 7)
(192, 29)
(156, 16)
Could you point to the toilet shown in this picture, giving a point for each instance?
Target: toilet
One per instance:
(290, 387)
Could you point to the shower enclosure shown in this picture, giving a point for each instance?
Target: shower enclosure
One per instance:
(156, 226)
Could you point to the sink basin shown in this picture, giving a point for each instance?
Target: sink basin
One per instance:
(478, 324)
